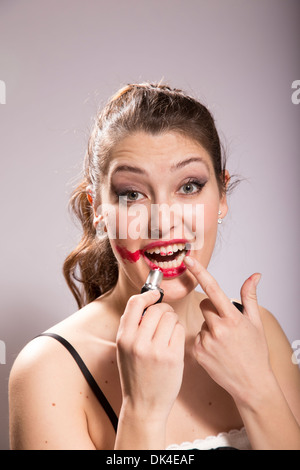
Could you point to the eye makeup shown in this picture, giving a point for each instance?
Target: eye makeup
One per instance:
(124, 192)
(130, 194)
(199, 184)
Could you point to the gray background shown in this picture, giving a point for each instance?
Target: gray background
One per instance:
(60, 60)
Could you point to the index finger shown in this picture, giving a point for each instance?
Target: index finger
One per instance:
(209, 285)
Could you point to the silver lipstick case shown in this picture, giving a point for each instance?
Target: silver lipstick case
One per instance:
(153, 282)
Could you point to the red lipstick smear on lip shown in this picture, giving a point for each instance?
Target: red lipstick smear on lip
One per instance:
(128, 255)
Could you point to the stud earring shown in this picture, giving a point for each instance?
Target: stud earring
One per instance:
(219, 219)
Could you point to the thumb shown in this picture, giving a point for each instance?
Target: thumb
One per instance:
(249, 296)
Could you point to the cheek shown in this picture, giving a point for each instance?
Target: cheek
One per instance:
(126, 255)
(200, 224)
(204, 225)
(210, 218)
(128, 223)
(210, 227)
(124, 236)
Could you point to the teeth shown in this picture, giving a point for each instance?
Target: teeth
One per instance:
(167, 250)
(170, 264)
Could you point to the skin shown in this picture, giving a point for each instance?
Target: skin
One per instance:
(166, 368)
(159, 186)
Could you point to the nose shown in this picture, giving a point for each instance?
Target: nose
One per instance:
(165, 219)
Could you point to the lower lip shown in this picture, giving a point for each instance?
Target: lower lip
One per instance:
(168, 272)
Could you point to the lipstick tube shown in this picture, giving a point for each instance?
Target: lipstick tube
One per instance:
(153, 282)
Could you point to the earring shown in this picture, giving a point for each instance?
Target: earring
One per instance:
(219, 219)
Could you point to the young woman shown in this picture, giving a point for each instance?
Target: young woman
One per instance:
(192, 369)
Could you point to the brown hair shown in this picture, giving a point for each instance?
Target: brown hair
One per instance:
(152, 108)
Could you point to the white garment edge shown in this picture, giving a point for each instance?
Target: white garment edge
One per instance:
(236, 438)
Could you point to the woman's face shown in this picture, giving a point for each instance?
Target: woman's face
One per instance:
(160, 200)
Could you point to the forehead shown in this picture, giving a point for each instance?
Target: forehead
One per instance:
(148, 149)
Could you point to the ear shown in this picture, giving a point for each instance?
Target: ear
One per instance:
(89, 193)
(97, 220)
(97, 217)
(223, 207)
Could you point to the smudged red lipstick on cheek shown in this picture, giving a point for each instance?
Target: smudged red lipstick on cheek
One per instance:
(127, 255)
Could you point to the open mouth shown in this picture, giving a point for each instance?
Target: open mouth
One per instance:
(168, 256)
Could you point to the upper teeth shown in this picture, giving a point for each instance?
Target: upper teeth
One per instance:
(167, 250)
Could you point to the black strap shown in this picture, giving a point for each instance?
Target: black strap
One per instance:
(89, 378)
(238, 305)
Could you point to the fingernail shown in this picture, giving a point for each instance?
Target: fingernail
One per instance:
(256, 279)
(156, 292)
(188, 261)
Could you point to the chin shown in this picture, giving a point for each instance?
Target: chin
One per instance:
(176, 288)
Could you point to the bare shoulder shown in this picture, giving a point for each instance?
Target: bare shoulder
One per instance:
(88, 326)
(276, 338)
(42, 398)
(36, 365)
(281, 357)
(47, 392)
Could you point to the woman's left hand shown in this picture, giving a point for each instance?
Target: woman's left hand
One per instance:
(231, 346)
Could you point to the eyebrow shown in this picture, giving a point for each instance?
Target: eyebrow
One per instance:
(133, 169)
(174, 167)
(183, 163)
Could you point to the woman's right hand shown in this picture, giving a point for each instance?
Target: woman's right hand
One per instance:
(150, 351)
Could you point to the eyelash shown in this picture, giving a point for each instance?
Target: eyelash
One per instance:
(200, 185)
